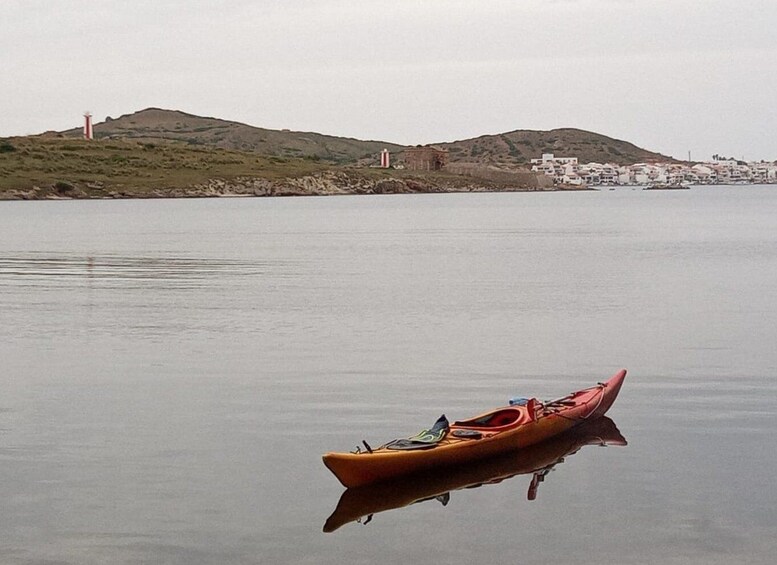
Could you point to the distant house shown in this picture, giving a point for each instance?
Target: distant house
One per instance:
(550, 158)
(425, 158)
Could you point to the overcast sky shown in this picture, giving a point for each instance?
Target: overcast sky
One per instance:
(668, 75)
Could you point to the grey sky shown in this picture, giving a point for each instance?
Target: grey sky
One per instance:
(668, 75)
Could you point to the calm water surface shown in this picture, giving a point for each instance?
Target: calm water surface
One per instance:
(173, 370)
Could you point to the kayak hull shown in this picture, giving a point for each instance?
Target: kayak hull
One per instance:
(527, 425)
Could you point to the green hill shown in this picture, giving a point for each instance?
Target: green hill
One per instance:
(519, 147)
(154, 124)
(510, 150)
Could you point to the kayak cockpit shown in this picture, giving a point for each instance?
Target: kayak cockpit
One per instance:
(497, 420)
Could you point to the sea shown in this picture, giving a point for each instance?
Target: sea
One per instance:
(171, 372)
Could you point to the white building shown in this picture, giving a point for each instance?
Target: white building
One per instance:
(564, 170)
(550, 158)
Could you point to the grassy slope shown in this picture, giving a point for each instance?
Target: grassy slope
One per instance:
(137, 169)
(133, 166)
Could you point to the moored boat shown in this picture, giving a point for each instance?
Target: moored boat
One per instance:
(519, 425)
(671, 186)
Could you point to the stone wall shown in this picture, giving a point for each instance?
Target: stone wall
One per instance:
(519, 179)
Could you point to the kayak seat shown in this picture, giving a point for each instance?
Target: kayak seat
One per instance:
(497, 419)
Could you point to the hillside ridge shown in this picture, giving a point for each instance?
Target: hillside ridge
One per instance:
(513, 149)
(518, 147)
(158, 124)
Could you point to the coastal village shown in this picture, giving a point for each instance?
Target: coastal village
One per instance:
(567, 171)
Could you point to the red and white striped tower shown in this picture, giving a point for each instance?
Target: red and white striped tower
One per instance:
(88, 131)
(384, 159)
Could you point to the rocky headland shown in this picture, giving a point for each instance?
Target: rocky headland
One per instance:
(326, 183)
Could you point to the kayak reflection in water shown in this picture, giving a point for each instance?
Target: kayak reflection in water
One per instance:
(538, 460)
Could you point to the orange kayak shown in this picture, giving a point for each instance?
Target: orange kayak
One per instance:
(358, 503)
(494, 432)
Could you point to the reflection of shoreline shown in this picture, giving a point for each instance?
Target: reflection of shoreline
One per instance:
(356, 503)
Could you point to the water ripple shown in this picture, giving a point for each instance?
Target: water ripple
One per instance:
(47, 270)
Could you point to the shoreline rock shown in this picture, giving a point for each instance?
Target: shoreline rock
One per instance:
(327, 183)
